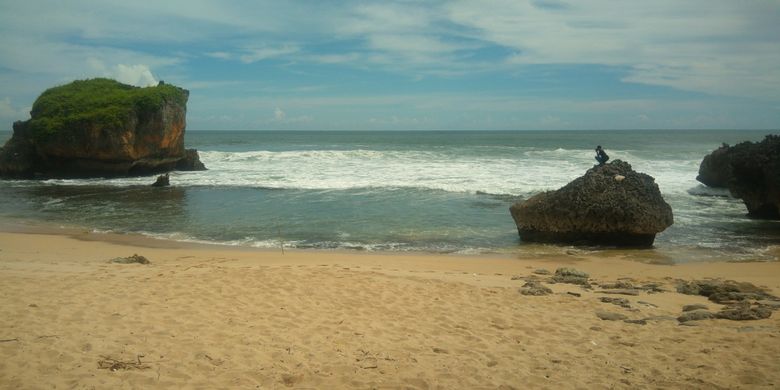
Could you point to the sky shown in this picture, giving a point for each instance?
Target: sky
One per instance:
(412, 65)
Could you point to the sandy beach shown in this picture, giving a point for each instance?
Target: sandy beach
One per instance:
(219, 317)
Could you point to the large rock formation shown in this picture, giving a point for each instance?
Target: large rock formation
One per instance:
(100, 127)
(610, 205)
(751, 171)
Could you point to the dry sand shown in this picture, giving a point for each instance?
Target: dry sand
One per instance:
(212, 317)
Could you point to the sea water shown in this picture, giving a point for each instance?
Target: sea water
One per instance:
(442, 192)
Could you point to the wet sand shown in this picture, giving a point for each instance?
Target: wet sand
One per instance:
(218, 317)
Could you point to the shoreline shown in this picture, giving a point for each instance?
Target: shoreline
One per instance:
(205, 316)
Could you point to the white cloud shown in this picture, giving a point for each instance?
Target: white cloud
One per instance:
(279, 115)
(263, 53)
(219, 54)
(10, 113)
(719, 47)
(139, 75)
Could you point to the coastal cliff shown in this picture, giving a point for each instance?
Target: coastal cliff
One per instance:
(100, 127)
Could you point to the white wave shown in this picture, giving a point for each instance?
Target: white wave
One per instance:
(463, 170)
(703, 190)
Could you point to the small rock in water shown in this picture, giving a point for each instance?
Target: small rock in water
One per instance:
(162, 181)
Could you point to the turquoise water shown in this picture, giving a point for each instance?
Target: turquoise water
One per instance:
(396, 191)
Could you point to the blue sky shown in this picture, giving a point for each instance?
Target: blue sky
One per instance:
(408, 65)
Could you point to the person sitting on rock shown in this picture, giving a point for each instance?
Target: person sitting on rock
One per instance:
(601, 155)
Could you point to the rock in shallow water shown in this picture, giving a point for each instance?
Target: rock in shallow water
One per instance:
(751, 171)
(597, 209)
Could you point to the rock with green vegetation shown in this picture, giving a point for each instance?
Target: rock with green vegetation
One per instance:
(100, 127)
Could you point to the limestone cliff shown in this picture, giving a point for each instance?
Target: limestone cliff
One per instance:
(99, 127)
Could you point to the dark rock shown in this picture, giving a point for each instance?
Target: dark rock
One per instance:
(535, 288)
(697, 306)
(98, 128)
(715, 168)
(638, 322)
(597, 209)
(646, 303)
(571, 276)
(162, 181)
(743, 311)
(190, 161)
(134, 259)
(695, 315)
(723, 291)
(609, 316)
(623, 302)
(751, 171)
(574, 294)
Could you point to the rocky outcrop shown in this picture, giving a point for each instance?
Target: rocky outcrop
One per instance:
(610, 205)
(751, 171)
(99, 127)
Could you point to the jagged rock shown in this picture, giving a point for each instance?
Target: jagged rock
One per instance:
(162, 181)
(190, 162)
(533, 287)
(695, 315)
(570, 275)
(743, 311)
(96, 128)
(597, 209)
(751, 171)
(723, 291)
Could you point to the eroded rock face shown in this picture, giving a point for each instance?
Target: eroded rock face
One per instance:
(751, 171)
(610, 205)
(99, 127)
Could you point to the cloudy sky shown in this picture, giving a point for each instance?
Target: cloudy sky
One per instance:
(360, 65)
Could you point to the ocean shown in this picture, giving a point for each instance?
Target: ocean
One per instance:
(433, 192)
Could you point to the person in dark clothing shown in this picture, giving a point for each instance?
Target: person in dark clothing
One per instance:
(601, 155)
